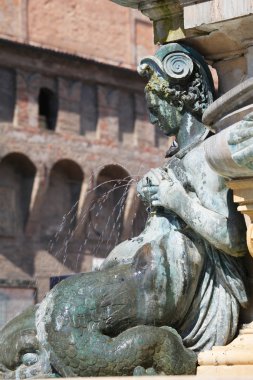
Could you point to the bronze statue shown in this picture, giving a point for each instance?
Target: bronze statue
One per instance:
(174, 290)
(202, 233)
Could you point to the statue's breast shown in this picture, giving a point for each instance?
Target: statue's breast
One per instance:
(205, 185)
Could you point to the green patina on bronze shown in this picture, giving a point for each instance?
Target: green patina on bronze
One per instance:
(98, 324)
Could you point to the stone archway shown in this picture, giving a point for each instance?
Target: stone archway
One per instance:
(107, 212)
(61, 199)
(17, 173)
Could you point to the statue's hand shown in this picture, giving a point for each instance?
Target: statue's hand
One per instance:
(161, 188)
(240, 142)
(148, 185)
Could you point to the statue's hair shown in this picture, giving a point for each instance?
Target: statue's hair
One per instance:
(181, 76)
(194, 95)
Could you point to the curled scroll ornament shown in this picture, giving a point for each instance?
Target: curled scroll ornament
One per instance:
(178, 66)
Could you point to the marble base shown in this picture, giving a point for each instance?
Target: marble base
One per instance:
(235, 359)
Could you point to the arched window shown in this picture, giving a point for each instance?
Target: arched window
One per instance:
(59, 214)
(17, 174)
(106, 214)
(48, 109)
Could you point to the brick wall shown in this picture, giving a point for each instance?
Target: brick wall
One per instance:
(95, 29)
(102, 134)
(72, 116)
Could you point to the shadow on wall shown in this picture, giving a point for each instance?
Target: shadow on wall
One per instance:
(17, 175)
(107, 211)
(59, 213)
(111, 216)
(48, 109)
(7, 95)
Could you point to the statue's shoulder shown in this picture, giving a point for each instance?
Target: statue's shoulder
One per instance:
(194, 160)
(201, 176)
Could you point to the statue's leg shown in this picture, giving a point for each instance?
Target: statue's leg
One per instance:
(154, 349)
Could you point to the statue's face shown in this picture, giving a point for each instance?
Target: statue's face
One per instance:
(162, 114)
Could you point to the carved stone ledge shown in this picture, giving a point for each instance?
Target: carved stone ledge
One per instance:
(218, 29)
(243, 195)
(167, 17)
(234, 359)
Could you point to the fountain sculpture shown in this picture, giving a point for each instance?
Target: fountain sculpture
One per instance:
(174, 290)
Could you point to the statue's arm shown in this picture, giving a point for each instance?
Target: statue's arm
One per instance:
(168, 192)
(211, 225)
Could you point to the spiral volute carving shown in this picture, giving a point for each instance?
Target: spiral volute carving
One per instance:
(178, 66)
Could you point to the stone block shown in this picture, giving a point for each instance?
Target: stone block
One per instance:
(231, 72)
(209, 12)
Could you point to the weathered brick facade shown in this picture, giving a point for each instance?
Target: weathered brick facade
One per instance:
(72, 117)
